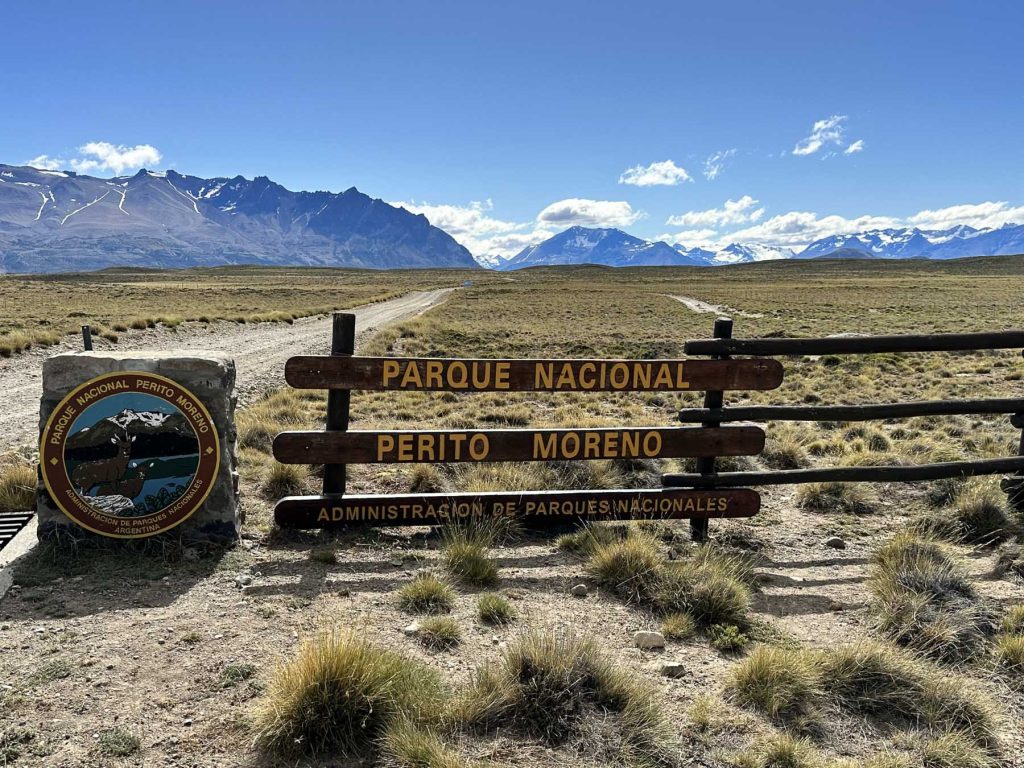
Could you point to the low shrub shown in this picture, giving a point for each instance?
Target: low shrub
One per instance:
(339, 694)
(118, 742)
(727, 638)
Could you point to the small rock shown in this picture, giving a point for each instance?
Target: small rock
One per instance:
(649, 640)
(190, 553)
(243, 580)
(834, 542)
(673, 669)
(187, 722)
(580, 590)
(411, 630)
(397, 562)
(835, 605)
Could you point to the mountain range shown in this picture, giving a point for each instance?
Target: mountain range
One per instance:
(56, 221)
(613, 247)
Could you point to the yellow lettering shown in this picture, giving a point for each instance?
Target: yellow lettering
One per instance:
(390, 371)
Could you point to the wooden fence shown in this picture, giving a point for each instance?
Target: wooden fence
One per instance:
(337, 446)
(697, 496)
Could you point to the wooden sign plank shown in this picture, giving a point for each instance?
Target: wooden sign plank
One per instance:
(530, 506)
(483, 375)
(395, 447)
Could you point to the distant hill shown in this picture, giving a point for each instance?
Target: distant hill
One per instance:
(848, 253)
(610, 247)
(56, 221)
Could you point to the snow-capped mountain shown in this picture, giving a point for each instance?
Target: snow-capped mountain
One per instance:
(736, 253)
(55, 221)
(913, 243)
(609, 247)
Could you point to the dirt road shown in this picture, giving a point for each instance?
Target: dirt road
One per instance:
(260, 352)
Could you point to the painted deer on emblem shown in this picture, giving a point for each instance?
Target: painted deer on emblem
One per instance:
(89, 474)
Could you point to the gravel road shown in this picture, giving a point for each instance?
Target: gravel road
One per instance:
(260, 352)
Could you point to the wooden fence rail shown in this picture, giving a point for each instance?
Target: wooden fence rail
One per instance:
(859, 345)
(867, 412)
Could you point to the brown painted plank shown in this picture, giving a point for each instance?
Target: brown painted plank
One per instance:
(840, 345)
(532, 506)
(459, 445)
(909, 474)
(483, 375)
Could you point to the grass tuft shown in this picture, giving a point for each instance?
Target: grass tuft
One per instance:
(17, 486)
(551, 686)
(340, 694)
(408, 745)
(426, 594)
(118, 742)
(678, 626)
(440, 632)
(779, 682)
(494, 609)
(835, 497)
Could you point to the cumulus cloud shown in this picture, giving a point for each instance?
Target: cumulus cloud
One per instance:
(714, 164)
(732, 212)
(978, 215)
(823, 133)
(798, 228)
(115, 158)
(666, 173)
(45, 163)
(704, 238)
(589, 213)
(472, 226)
(856, 146)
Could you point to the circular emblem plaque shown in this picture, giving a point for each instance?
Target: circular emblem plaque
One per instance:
(129, 454)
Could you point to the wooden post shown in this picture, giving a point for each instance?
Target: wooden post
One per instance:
(712, 399)
(1014, 484)
(87, 338)
(343, 342)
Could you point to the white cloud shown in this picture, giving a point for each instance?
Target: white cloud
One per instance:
(589, 213)
(732, 212)
(704, 238)
(798, 228)
(665, 173)
(45, 163)
(824, 132)
(857, 146)
(115, 158)
(472, 226)
(978, 215)
(714, 163)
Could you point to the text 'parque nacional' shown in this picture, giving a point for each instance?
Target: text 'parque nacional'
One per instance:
(483, 375)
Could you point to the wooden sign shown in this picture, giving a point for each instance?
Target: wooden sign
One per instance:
(482, 375)
(391, 447)
(532, 506)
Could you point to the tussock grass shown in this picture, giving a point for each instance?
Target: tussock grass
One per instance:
(426, 594)
(878, 680)
(17, 485)
(284, 480)
(1013, 621)
(408, 745)
(339, 694)
(1009, 656)
(781, 751)
(953, 750)
(678, 626)
(492, 608)
(590, 536)
(977, 515)
(551, 687)
(779, 682)
(440, 632)
(19, 341)
(849, 498)
(630, 566)
(923, 600)
(466, 549)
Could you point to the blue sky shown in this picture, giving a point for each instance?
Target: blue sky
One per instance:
(505, 122)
